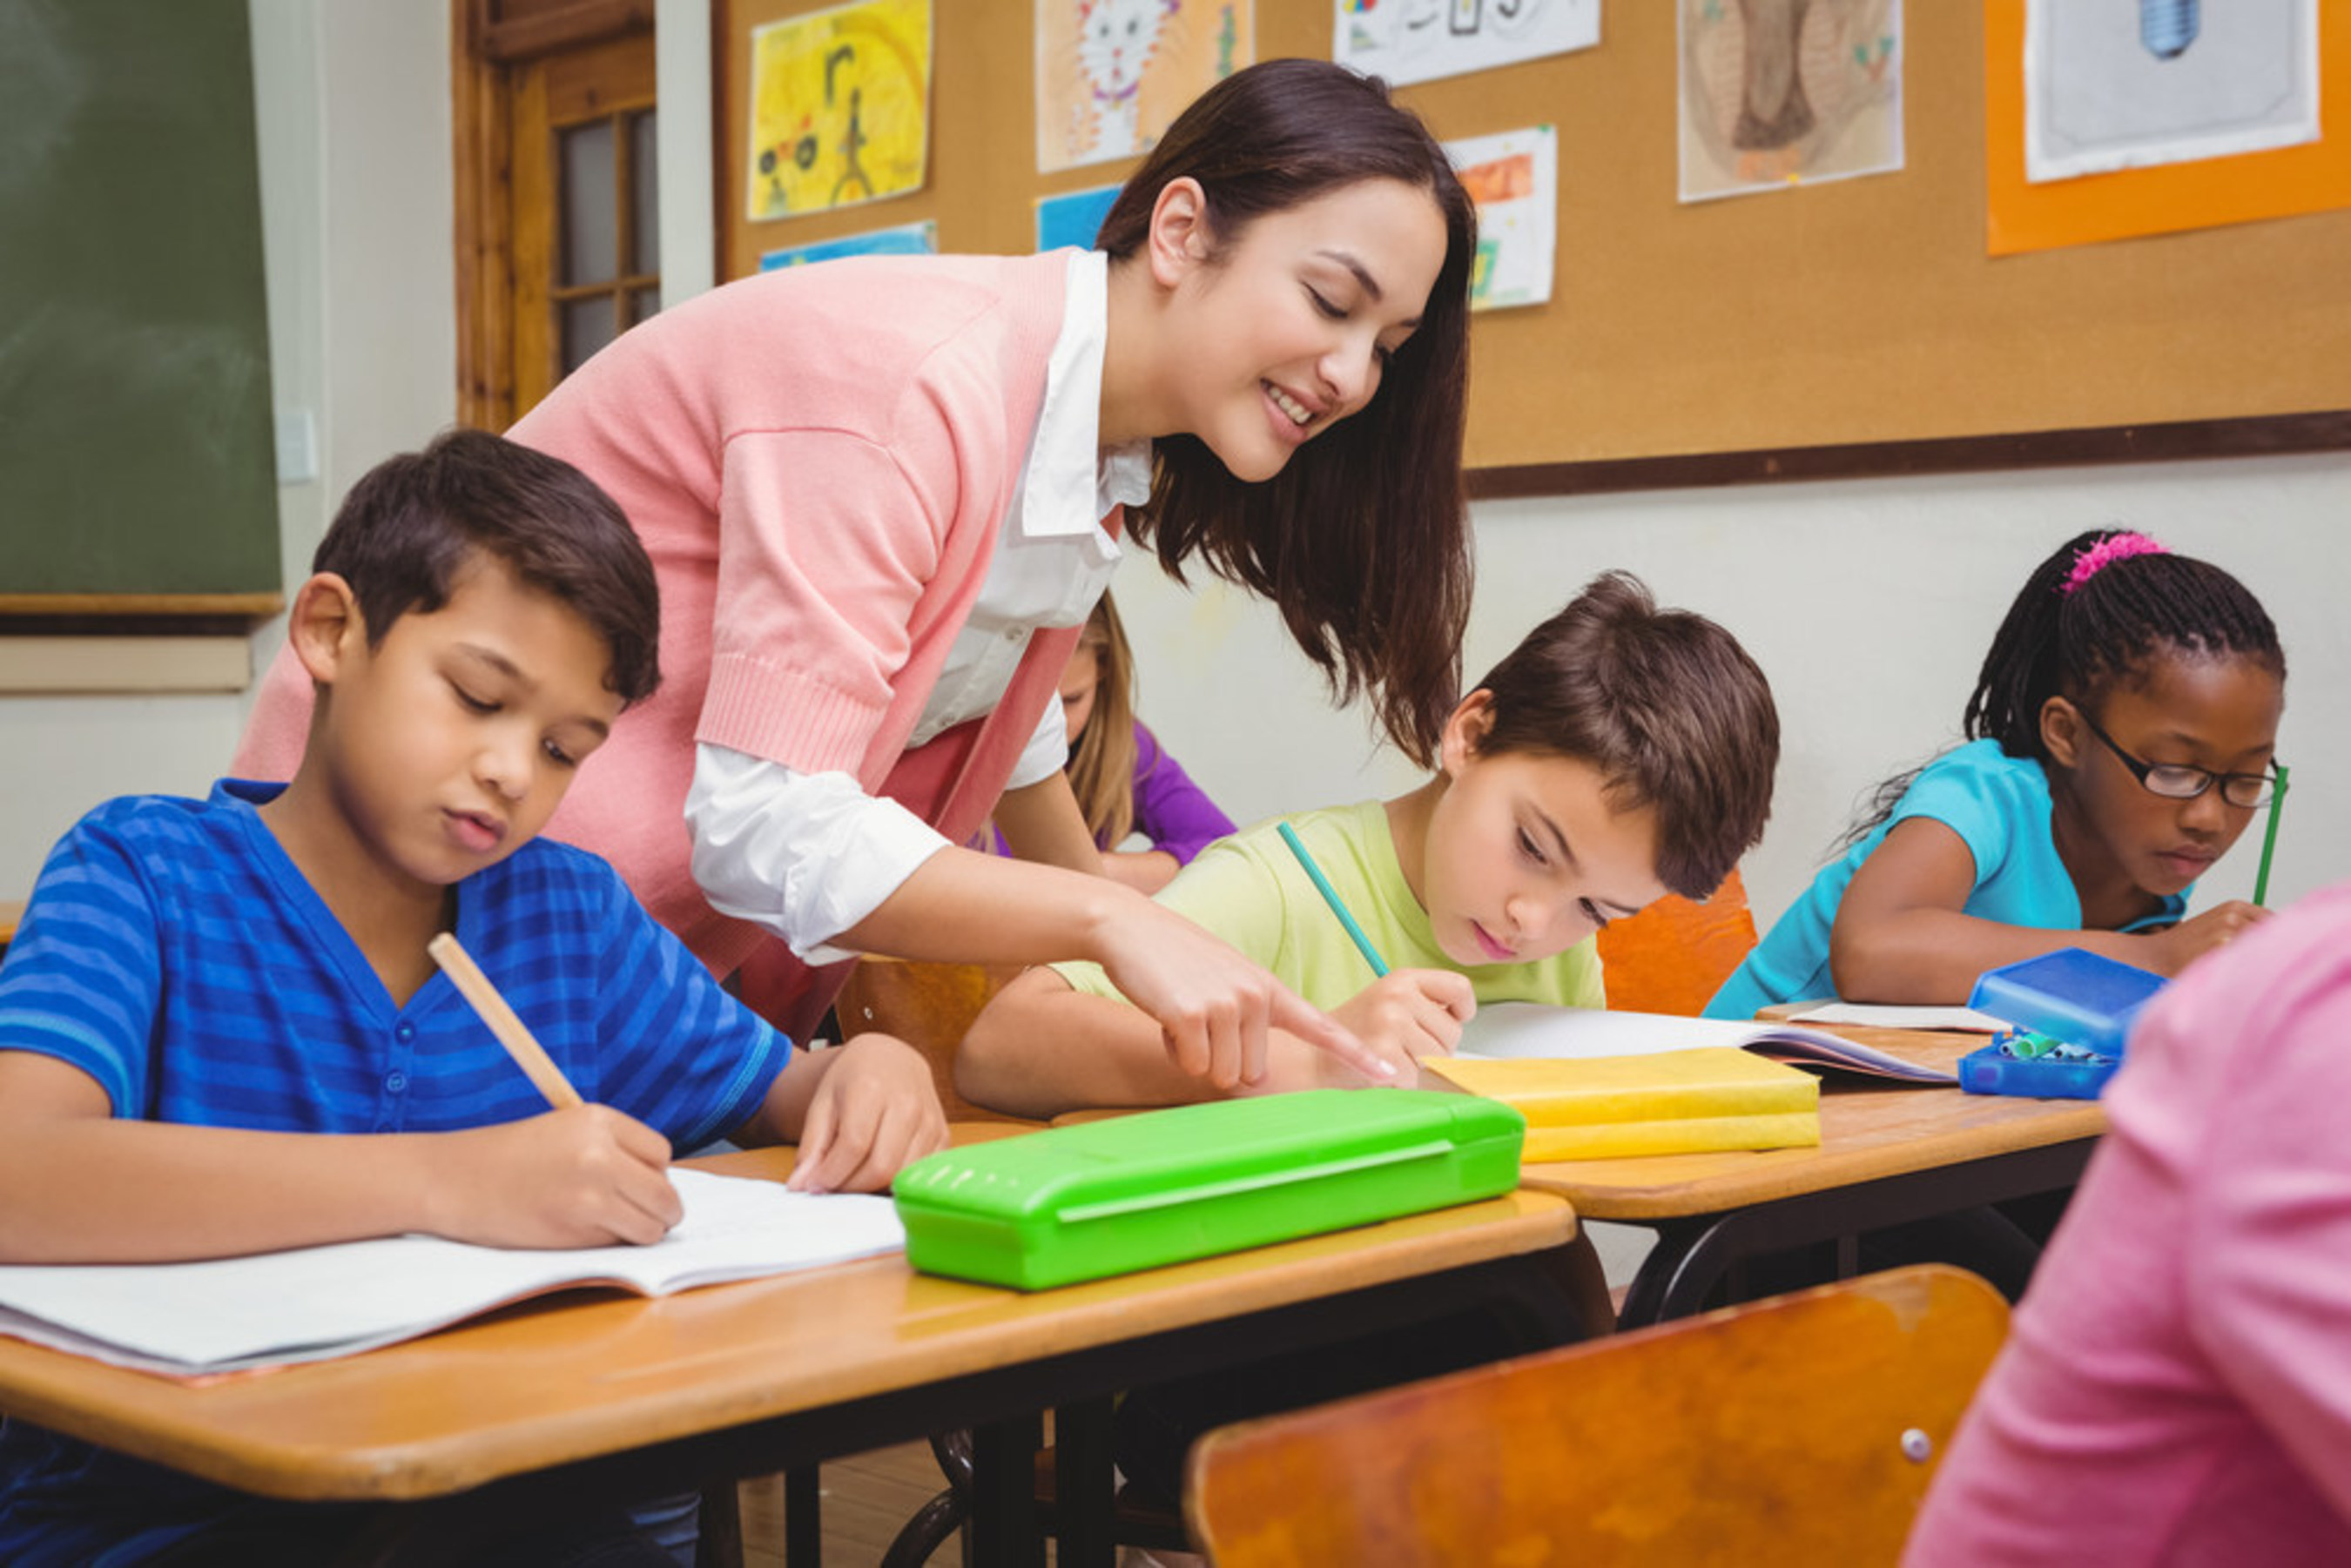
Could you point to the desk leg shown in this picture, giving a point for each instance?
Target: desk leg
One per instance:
(1084, 1499)
(803, 1517)
(1692, 1255)
(1004, 1531)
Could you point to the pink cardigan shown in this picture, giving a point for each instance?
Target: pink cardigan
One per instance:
(819, 461)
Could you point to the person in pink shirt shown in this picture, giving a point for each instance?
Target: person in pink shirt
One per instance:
(2177, 1385)
(883, 494)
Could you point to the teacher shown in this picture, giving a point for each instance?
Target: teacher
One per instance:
(881, 496)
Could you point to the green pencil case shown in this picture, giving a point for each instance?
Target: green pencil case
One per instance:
(1133, 1192)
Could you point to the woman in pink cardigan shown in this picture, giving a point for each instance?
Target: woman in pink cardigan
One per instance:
(881, 496)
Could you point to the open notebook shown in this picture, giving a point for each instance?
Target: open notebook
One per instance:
(1534, 1029)
(228, 1314)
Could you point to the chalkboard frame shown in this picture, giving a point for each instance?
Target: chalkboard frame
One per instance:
(137, 441)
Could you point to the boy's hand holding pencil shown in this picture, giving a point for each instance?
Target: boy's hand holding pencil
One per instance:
(587, 1175)
(1409, 1014)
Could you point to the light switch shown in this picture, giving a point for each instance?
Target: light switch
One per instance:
(298, 446)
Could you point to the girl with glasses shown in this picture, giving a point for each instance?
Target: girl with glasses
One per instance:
(2122, 735)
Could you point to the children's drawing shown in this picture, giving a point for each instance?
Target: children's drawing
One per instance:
(1782, 92)
(2165, 81)
(1113, 74)
(1513, 177)
(906, 240)
(1419, 40)
(1074, 219)
(840, 106)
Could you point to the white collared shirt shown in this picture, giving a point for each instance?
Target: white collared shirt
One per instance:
(809, 855)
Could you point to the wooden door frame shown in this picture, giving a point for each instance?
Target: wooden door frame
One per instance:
(484, 52)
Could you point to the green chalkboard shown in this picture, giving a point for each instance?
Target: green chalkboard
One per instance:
(136, 451)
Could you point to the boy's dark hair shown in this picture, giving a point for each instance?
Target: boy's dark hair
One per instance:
(1361, 540)
(2080, 645)
(412, 522)
(1665, 704)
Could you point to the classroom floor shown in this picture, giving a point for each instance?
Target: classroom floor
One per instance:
(866, 1499)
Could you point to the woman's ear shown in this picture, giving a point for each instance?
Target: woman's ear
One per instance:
(325, 627)
(2060, 732)
(1180, 238)
(1466, 731)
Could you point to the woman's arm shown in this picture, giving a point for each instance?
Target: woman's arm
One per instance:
(1215, 1005)
(1042, 1047)
(1901, 935)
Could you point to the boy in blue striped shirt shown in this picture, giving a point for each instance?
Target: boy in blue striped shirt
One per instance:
(200, 989)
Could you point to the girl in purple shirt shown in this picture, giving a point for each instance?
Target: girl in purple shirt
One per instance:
(1124, 782)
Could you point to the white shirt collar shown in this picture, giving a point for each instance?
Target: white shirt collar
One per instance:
(1070, 483)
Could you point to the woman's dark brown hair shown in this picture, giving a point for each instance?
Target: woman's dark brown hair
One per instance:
(1361, 541)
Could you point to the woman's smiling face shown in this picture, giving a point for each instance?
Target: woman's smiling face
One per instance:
(1286, 331)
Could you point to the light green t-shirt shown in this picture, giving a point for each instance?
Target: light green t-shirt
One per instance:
(1251, 890)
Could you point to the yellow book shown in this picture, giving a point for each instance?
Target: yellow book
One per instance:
(1666, 1102)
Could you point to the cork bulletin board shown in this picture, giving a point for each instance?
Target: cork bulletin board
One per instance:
(1849, 326)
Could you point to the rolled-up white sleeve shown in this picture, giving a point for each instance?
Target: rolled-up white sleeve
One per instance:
(1047, 753)
(805, 855)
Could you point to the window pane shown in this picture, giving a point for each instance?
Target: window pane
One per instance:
(588, 326)
(642, 144)
(643, 304)
(589, 214)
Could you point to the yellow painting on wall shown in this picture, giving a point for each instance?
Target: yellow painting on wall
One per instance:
(1111, 75)
(840, 107)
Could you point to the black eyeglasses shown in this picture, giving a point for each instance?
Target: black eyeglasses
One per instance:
(2183, 782)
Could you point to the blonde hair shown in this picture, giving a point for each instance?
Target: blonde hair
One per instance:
(1101, 760)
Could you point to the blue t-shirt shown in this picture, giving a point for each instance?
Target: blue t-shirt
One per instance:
(175, 952)
(2000, 806)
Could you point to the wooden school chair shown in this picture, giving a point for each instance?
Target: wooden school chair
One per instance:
(1675, 955)
(930, 1006)
(1798, 1430)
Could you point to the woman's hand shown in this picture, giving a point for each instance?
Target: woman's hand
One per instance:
(1212, 1005)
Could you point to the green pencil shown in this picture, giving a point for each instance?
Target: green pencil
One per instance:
(2269, 841)
(1331, 897)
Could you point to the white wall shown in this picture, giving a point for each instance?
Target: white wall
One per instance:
(1868, 602)
(353, 102)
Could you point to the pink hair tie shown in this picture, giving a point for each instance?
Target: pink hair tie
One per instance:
(2103, 554)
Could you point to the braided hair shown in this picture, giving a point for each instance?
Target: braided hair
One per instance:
(2087, 620)
(2077, 634)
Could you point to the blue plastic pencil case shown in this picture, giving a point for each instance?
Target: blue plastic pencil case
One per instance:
(2070, 994)
(1106, 1197)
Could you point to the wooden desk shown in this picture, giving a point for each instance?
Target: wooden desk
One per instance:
(600, 1394)
(1887, 1157)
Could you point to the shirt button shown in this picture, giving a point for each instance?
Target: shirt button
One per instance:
(405, 1033)
(396, 1082)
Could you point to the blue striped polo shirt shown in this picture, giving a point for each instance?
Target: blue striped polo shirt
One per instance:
(173, 951)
